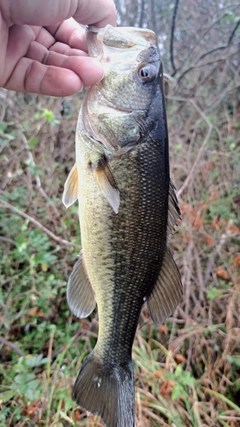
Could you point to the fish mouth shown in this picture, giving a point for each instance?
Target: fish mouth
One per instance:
(118, 38)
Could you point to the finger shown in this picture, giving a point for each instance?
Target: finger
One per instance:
(40, 53)
(21, 43)
(65, 76)
(69, 32)
(19, 40)
(65, 49)
(42, 36)
(33, 12)
(45, 12)
(99, 13)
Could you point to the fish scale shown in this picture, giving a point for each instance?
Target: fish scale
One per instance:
(122, 182)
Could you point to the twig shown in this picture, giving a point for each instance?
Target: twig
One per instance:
(172, 37)
(37, 224)
(219, 99)
(153, 16)
(223, 240)
(234, 7)
(233, 32)
(6, 240)
(206, 32)
(12, 346)
(154, 416)
(199, 274)
(215, 49)
(141, 14)
(187, 277)
(196, 162)
(223, 46)
(229, 418)
(192, 67)
(37, 178)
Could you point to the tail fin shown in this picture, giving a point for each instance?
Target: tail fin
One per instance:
(107, 391)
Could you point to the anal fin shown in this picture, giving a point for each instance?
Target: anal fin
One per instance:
(70, 193)
(167, 291)
(80, 295)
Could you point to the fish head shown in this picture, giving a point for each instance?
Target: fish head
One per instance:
(115, 110)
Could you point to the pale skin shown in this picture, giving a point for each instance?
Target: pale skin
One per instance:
(43, 49)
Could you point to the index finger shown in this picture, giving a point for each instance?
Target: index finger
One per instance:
(44, 13)
(70, 33)
(98, 13)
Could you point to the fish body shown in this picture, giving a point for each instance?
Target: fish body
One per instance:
(126, 204)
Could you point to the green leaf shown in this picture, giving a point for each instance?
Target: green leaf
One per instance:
(33, 142)
(213, 293)
(5, 397)
(24, 378)
(177, 392)
(234, 360)
(3, 126)
(36, 361)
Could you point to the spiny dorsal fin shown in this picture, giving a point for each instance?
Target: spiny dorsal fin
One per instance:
(80, 295)
(70, 193)
(174, 213)
(106, 183)
(167, 292)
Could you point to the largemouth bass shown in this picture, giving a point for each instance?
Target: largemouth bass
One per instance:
(127, 207)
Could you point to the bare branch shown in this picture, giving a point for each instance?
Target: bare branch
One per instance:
(211, 51)
(37, 224)
(216, 21)
(6, 240)
(206, 63)
(233, 32)
(13, 346)
(153, 16)
(172, 37)
(223, 46)
(196, 162)
(141, 14)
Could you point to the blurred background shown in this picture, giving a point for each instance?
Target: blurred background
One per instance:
(187, 371)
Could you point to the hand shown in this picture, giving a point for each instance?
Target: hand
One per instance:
(43, 49)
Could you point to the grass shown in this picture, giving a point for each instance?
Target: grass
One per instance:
(186, 371)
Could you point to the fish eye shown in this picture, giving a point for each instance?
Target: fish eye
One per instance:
(147, 73)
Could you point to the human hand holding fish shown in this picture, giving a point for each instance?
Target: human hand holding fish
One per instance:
(43, 49)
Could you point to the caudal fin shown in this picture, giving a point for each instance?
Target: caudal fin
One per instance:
(107, 391)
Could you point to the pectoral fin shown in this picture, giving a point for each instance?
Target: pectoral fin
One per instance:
(167, 292)
(70, 193)
(80, 295)
(106, 183)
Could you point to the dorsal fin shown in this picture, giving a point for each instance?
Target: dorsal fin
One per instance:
(70, 193)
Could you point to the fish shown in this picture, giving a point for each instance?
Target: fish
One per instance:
(127, 209)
